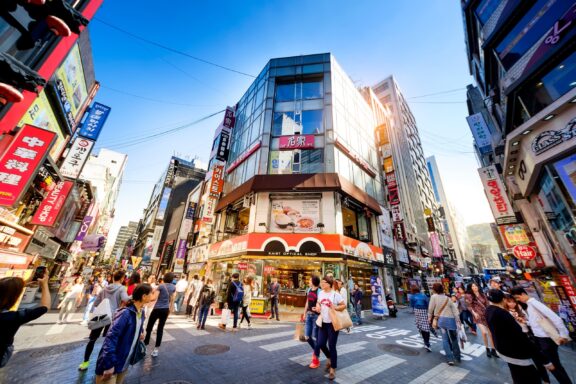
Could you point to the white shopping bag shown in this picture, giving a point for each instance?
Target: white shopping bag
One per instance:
(103, 308)
(224, 318)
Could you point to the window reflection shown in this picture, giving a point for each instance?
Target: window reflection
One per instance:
(356, 224)
(301, 90)
(296, 161)
(306, 123)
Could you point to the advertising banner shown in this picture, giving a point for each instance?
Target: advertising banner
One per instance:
(84, 228)
(297, 142)
(71, 74)
(148, 248)
(95, 121)
(361, 250)
(280, 162)
(52, 204)
(496, 194)
(298, 216)
(76, 157)
(223, 146)
(41, 115)
(190, 211)
(435, 241)
(480, 131)
(155, 244)
(385, 229)
(403, 255)
(379, 307)
(570, 291)
(21, 161)
(513, 235)
(217, 181)
(163, 203)
(180, 259)
(93, 242)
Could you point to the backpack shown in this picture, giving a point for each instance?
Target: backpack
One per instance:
(239, 294)
(207, 296)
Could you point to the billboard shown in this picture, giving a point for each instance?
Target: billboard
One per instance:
(71, 74)
(52, 204)
(84, 228)
(76, 157)
(299, 216)
(385, 229)
(496, 194)
(20, 162)
(95, 121)
(513, 235)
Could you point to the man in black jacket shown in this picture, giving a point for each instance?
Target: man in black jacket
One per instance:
(512, 344)
(234, 296)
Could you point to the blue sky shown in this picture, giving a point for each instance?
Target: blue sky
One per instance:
(420, 42)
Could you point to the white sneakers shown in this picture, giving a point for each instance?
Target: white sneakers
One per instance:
(154, 352)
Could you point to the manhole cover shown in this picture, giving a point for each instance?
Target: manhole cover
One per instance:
(211, 349)
(398, 349)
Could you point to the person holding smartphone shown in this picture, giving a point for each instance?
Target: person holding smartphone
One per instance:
(10, 321)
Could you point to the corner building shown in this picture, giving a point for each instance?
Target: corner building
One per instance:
(302, 185)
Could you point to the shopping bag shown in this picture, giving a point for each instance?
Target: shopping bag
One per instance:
(224, 318)
(462, 335)
(340, 319)
(299, 332)
(101, 316)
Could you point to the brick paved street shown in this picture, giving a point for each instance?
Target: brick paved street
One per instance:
(381, 351)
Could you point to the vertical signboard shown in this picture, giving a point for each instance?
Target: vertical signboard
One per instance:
(180, 256)
(76, 157)
(217, 182)
(94, 121)
(21, 161)
(84, 228)
(51, 206)
(496, 194)
(481, 132)
(436, 249)
(385, 229)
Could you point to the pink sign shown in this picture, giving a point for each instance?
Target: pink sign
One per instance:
(297, 142)
(51, 206)
(436, 249)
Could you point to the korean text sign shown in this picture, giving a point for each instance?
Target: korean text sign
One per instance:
(52, 204)
(76, 157)
(95, 121)
(21, 161)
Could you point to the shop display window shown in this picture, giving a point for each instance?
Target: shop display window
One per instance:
(356, 224)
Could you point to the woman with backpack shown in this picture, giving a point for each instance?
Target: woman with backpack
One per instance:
(443, 314)
(10, 321)
(164, 296)
(118, 349)
(207, 296)
(247, 299)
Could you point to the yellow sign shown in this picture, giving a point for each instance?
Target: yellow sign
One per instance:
(136, 261)
(388, 165)
(258, 306)
(71, 74)
(41, 115)
(427, 211)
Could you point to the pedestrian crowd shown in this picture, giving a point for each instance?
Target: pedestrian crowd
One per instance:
(515, 327)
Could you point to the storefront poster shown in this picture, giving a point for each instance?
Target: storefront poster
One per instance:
(566, 169)
(379, 307)
(385, 229)
(280, 162)
(71, 73)
(41, 115)
(361, 250)
(497, 197)
(403, 255)
(76, 157)
(298, 216)
(21, 161)
(513, 235)
(148, 247)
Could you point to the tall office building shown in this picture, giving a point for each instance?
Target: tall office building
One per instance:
(522, 115)
(456, 239)
(126, 233)
(419, 210)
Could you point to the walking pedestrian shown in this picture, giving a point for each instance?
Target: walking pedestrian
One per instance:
(181, 287)
(327, 335)
(96, 289)
(477, 304)
(205, 300)
(310, 316)
(273, 293)
(465, 314)
(193, 295)
(512, 344)
(419, 303)
(150, 305)
(88, 287)
(357, 296)
(234, 297)
(71, 300)
(120, 342)
(133, 282)
(164, 296)
(116, 295)
(543, 321)
(10, 321)
(247, 299)
(444, 311)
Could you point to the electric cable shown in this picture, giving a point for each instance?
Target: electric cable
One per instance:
(152, 99)
(438, 93)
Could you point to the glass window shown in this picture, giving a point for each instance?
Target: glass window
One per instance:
(314, 68)
(486, 9)
(312, 122)
(285, 92)
(312, 90)
(312, 161)
(530, 29)
(284, 124)
(350, 224)
(363, 227)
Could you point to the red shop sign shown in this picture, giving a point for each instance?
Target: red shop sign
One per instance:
(242, 266)
(569, 289)
(297, 142)
(21, 161)
(51, 206)
(268, 269)
(524, 252)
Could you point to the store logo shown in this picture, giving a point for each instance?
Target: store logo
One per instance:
(549, 139)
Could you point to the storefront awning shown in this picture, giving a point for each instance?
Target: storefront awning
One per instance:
(301, 182)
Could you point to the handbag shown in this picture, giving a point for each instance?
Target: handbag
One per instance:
(224, 318)
(340, 319)
(139, 352)
(103, 316)
(548, 327)
(435, 319)
(462, 335)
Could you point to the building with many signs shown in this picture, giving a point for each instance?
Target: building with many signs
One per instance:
(47, 88)
(523, 117)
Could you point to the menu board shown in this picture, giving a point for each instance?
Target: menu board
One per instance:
(298, 216)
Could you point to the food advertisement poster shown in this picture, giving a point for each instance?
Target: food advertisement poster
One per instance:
(298, 216)
(379, 307)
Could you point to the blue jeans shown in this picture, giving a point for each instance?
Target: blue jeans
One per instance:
(203, 315)
(466, 317)
(311, 329)
(450, 344)
(327, 335)
(234, 309)
(358, 310)
(89, 308)
(179, 300)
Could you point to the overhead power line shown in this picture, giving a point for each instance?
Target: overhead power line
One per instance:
(438, 93)
(151, 99)
(173, 50)
(437, 102)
